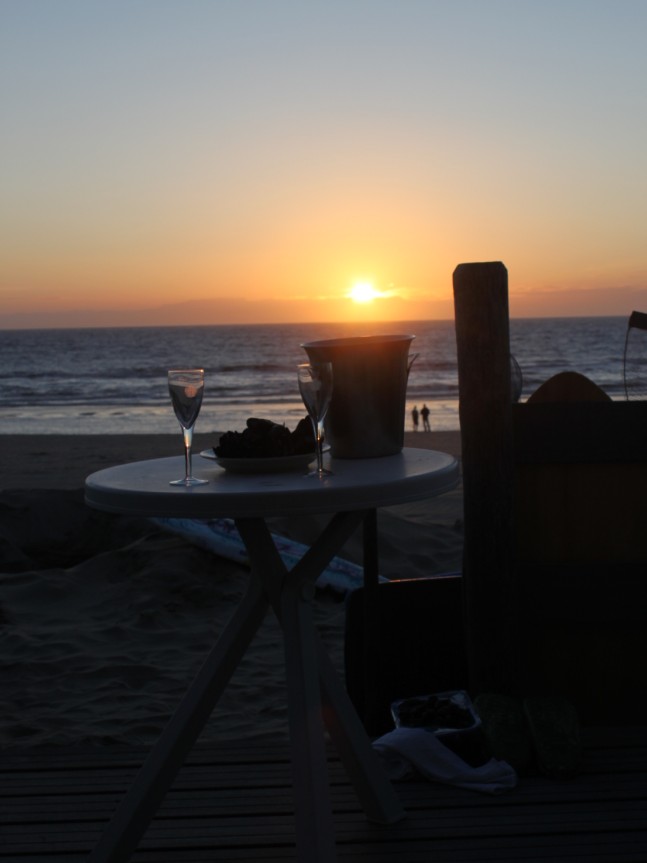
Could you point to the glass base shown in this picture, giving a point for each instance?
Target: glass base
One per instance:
(188, 481)
(320, 473)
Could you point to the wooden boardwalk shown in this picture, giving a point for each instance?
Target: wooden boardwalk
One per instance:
(233, 803)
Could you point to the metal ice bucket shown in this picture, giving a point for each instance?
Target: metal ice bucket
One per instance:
(366, 414)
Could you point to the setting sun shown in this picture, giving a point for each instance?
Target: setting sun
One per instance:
(363, 292)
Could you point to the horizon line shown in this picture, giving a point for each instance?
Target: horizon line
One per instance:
(329, 323)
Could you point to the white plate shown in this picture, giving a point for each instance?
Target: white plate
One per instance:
(267, 464)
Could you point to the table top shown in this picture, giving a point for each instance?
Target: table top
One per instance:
(142, 488)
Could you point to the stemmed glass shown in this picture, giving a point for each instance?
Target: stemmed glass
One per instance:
(315, 385)
(186, 387)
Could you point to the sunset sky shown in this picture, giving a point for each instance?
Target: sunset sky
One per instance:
(218, 161)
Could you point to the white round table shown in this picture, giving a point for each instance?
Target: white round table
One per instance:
(142, 488)
(314, 690)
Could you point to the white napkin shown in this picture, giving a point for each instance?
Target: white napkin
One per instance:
(407, 750)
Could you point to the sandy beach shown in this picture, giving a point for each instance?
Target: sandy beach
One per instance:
(104, 619)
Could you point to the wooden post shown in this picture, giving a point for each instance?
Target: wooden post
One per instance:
(483, 350)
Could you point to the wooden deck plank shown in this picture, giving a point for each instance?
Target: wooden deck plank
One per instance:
(234, 803)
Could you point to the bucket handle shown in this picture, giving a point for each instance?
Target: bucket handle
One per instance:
(412, 359)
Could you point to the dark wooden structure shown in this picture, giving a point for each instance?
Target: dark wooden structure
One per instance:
(555, 565)
(483, 354)
(581, 554)
(414, 629)
(234, 803)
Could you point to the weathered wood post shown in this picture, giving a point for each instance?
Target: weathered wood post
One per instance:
(483, 350)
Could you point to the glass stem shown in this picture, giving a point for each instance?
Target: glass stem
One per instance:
(188, 441)
(319, 438)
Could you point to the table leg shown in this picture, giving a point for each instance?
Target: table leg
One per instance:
(370, 712)
(289, 594)
(372, 786)
(313, 679)
(374, 790)
(315, 833)
(363, 766)
(142, 801)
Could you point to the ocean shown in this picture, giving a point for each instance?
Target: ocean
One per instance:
(112, 381)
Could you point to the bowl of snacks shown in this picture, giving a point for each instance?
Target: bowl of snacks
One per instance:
(265, 447)
(450, 716)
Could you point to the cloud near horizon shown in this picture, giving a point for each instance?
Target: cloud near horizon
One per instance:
(582, 302)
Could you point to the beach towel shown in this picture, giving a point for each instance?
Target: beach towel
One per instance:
(220, 536)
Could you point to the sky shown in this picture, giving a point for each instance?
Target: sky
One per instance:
(225, 161)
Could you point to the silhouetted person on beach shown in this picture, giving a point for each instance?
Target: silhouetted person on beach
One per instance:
(414, 416)
(424, 413)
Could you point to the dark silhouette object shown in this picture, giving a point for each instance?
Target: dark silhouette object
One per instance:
(554, 524)
(634, 361)
(415, 416)
(424, 413)
(403, 638)
(483, 358)
(568, 387)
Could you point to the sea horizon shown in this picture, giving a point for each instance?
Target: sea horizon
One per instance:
(329, 323)
(103, 380)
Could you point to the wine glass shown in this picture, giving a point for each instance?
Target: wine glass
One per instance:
(186, 387)
(315, 385)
